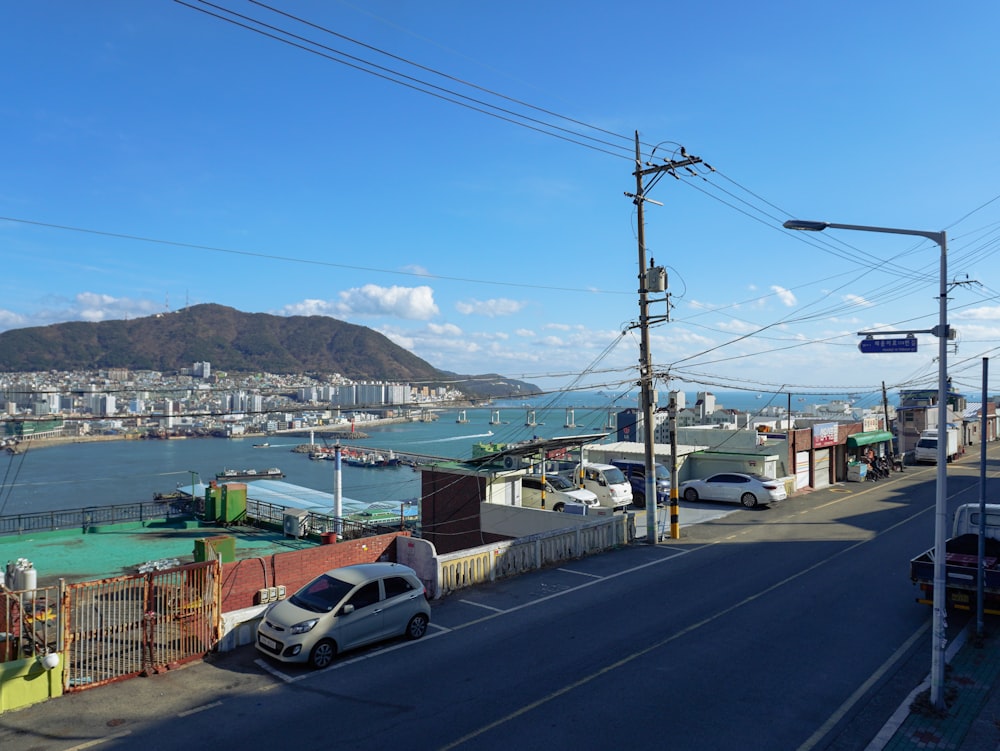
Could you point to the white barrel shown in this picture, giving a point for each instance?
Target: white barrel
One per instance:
(27, 578)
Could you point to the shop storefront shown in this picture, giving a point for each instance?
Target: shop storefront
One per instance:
(861, 447)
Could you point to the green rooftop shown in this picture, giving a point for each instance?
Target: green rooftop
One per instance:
(116, 549)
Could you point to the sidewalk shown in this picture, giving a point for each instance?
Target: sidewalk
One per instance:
(972, 721)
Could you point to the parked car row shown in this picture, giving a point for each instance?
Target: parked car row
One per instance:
(558, 492)
(353, 606)
(623, 481)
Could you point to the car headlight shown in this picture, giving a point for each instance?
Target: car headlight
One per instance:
(301, 628)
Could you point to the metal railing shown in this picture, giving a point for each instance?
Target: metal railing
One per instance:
(258, 513)
(91, 516)
(316, 524)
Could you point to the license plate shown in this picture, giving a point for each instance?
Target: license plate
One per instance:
(269, 643)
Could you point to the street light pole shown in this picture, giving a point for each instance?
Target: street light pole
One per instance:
(939, 627)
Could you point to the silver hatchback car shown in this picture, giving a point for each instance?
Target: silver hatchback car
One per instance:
(345, 608)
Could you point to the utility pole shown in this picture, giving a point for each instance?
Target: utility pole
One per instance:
(888, 427)
(646, 277)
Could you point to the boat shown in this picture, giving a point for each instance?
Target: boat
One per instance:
(249, 474)
(370, 459)
(261, 445)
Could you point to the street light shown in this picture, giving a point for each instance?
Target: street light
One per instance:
(939, 636)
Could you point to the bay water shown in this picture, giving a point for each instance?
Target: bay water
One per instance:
(78, 475)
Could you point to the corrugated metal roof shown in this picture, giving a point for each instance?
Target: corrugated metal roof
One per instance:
(295, 496)
(972, 410)
(288, 494)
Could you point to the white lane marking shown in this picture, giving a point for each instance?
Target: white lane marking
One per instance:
(202, 708)
(480, 605)
(99, 741)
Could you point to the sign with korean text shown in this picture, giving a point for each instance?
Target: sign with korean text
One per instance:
(824, 434)
(886, 346)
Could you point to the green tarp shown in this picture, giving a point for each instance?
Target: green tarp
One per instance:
(863, 439)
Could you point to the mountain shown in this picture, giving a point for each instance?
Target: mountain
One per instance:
(232, 341)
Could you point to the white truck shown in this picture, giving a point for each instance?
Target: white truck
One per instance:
(962, 562)
(607, 482)
(926, 450)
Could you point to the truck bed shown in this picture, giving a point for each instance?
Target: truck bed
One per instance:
(961, 559)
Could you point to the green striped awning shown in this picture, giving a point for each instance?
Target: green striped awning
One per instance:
(863, 439)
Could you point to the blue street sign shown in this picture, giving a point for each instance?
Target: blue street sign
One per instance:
(876, 346)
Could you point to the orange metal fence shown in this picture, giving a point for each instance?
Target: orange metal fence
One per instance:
(139, 624)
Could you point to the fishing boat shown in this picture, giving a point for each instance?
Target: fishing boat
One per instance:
(261, 445)
(371, 459)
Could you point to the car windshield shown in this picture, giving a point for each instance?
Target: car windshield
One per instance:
(559, 483)
(614, 476)
(322, 594)
(662, 473)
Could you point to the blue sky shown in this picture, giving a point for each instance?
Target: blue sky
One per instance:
(155, 156)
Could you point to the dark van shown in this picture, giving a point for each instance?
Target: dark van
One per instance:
(635, 471)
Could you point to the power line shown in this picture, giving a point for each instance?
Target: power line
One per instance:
(292, 259)
(402, 79)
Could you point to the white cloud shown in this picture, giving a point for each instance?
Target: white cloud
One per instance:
(309, 308)
(85, 306)
(737, 326)
(411, 303)
(446, 329)
(985, 313)
(416, 269)
(786, 296)
(11, 320)
(858, 300)
(94, 307)
(490, 308)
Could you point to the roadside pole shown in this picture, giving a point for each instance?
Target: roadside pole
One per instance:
(651, 280)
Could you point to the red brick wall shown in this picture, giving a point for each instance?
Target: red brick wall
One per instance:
(242, 579)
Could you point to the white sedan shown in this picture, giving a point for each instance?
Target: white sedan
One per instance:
(735, 487)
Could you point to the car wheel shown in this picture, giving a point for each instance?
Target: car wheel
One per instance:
(322, 654)
(417, 626)
(749, 500)
(559, 507)
(690, 494)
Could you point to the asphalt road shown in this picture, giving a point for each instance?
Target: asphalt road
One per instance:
(792, 627)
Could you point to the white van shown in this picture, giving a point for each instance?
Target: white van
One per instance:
(926, 449)
(607, 482)
(558, 492)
